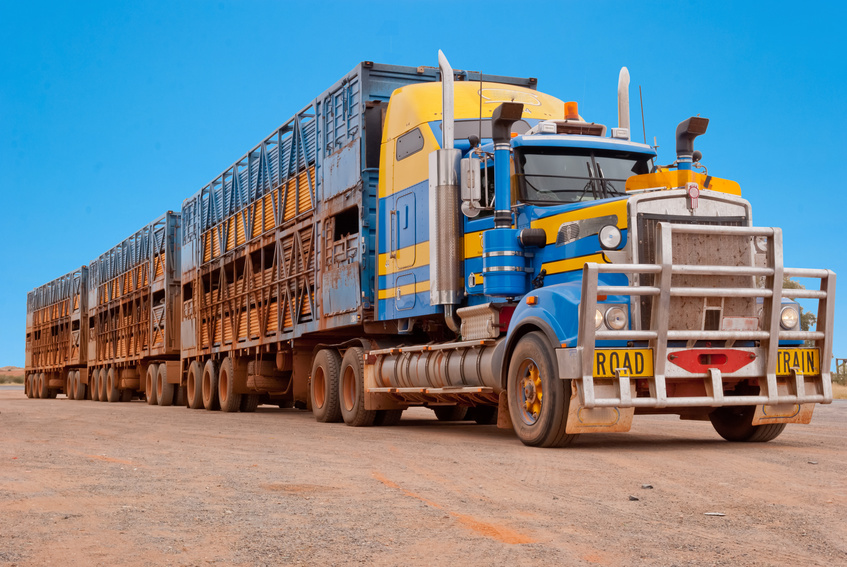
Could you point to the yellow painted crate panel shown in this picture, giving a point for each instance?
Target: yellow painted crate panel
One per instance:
(240, 234)
(305, 192)
(230, 234)
(289, 192)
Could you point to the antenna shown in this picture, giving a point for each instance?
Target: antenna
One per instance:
(641, 99)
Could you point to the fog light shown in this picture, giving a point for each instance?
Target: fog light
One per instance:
(789, 318)
(598, 319)
(616, 318)
(610, 237)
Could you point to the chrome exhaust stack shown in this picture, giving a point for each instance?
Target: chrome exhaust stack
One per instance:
(623, 129)
(446, 266)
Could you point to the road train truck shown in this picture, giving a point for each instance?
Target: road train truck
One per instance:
(462, 241)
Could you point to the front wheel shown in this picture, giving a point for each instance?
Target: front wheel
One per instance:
(736, 424)
(538, 398)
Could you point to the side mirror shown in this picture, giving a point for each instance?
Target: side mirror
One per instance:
(471, 185)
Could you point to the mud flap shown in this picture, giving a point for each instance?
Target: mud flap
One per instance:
(598, 420)
(504, 417)
(783, 413)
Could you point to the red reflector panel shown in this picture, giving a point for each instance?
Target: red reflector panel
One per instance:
(700, 360)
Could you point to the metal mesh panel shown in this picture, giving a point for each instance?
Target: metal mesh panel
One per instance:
(682, 255)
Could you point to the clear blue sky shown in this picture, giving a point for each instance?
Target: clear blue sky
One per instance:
(112, 112)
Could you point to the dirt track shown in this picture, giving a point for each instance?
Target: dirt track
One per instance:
(84, 483)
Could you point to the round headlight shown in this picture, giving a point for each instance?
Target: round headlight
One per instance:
(598, 319)
(616, 318)
(789, 317)
(610, 237)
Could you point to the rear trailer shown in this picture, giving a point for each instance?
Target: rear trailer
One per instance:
(56, 327)
(134, 299)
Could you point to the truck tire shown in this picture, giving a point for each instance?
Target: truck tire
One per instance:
(450, 413)
(80, 387)
(483, 415)
(180, 399)
(92, 385)
(43, 389)
(150, 384)
(112, 393)
(735, 423)
(69, 385)
(210, 386)
(249, 403)
(27, 385)
(538, 398)
(323, 387)
(351, 390)
(164, 390)
(102, 383)
(385, 418)
(229, 400)
(194, 385)
(74, 386)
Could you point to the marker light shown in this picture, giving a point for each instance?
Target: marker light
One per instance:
(789, 317)
(610, 237)
(616, 318)
(571, 111)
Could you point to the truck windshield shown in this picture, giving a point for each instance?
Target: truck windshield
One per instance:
(568, 175)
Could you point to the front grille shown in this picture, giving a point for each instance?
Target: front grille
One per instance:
(646, 223)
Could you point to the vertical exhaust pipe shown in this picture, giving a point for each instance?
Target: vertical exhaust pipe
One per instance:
(446, 266)
(623, 103)
(447, 120)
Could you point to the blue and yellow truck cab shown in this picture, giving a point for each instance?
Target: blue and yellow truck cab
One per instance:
(546, 267)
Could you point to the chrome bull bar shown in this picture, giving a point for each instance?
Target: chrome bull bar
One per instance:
(578, 363)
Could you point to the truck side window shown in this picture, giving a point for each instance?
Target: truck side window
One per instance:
(409, 143)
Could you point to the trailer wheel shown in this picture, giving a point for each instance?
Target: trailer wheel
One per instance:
(249, 403)
(150, 384)
(80, 387)
(112, 392)
(450, 413)
(180, 399)
(194, 385)
(351, 391)
(164, 389)
(93, 390)
(389, 417)
(735, 423)
(323, 387)
(210, 386)
(43, 389)
(230, 401)
(69, 385)
(538, 398)
(103, 382)
(101, 377)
